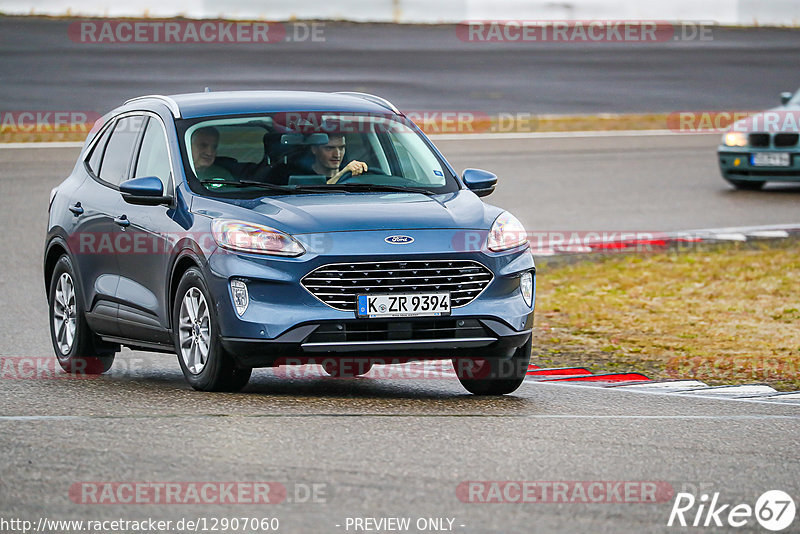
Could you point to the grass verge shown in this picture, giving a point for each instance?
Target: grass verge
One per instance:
(724, 316)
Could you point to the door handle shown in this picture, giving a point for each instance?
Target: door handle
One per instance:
(122, 220)
(77, 209)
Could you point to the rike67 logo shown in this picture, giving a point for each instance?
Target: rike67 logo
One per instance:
(774, 510)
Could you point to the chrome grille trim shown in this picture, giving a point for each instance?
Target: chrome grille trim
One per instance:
(337, 284)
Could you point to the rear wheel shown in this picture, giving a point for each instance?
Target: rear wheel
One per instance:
(205, 364)
(494, 376)
(77, 348)
(747, 185)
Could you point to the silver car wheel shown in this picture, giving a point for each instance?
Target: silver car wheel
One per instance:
(194, 330)
(65, 314)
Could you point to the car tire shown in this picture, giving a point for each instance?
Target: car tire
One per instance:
(494, 376)
(347, 368)
(204, 362)
(77, 348)
(747, 185)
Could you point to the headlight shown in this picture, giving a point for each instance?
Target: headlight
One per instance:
(507, 232)
(734, 139)
(526, 287)
(255, 238)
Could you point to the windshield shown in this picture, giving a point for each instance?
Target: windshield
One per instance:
(309, 152)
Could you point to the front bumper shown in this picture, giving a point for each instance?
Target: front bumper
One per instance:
(736, 164)
(284, 320)
(395, 339)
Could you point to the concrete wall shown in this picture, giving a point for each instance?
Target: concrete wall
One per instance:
(746, 12)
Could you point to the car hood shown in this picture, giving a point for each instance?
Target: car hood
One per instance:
(781, 119)
(314, 213)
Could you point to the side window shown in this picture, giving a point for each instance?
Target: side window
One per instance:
(153, 156)
(97, 152)
(119, 149)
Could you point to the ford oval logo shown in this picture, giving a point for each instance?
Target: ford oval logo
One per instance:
(399, 240)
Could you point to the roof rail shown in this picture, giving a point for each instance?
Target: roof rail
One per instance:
(372, 98)
(170, 103)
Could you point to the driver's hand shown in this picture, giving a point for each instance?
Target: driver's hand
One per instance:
(354, 167)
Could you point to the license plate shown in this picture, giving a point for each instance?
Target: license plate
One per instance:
(404, 305)
(771, 159)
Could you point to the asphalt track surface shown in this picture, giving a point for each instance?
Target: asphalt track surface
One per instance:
(400, 447)
(417, 67)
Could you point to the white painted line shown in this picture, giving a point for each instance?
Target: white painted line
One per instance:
(760, 417)
(53, 144)
(560, 135)
(746, 389)
(665, 386)
(700, 232)
(794, 395)
(769, 234)
(445, 137)
(729, 237)
(688, 395)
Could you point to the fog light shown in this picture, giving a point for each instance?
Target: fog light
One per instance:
(526, 288)
(240, 297)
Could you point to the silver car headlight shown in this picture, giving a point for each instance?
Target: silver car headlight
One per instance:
(250, 237)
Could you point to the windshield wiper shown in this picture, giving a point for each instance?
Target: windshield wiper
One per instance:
(326, 188)
(249, 183)
(363, 188)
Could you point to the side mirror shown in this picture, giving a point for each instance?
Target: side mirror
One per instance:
(147, 190)
(479, 182)
(785, 97)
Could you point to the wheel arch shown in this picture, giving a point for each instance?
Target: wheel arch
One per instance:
(56, 248)
(187, 259)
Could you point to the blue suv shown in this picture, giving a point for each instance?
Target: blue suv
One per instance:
(258, 229)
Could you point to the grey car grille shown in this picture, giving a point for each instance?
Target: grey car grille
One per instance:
(338, 285)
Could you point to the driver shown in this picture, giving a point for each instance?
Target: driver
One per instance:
(204, 151)
(328, 159)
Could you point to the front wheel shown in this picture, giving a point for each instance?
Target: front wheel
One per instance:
(494, 376)
(75, 345)
(205, 364)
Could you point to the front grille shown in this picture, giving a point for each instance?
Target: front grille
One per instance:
(417, 330)
(786, 139)
(759, 139)
(338, 284)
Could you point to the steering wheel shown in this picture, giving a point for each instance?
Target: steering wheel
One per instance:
(348, 175)
(343, 178)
